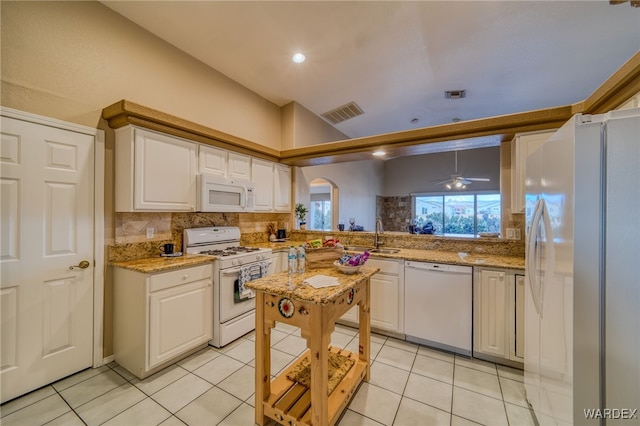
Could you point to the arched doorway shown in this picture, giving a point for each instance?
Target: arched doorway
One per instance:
(323, 206)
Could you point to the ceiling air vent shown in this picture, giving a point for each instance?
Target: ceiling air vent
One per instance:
(345, 112)
(455, 94)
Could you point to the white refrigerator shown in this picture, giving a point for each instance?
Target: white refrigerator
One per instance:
(582, 303)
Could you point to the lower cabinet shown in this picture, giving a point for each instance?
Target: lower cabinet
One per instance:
(498, 315)
(161, 317)
(387, 297)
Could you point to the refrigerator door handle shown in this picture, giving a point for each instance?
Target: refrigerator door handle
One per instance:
(531, 254)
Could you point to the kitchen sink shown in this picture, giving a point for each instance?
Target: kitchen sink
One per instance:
(359, 248)
(385, 250)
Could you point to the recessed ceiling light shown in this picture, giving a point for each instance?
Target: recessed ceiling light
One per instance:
(298, 58)
(379, 153)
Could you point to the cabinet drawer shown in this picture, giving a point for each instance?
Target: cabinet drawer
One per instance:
(386, 266)
(180, 276)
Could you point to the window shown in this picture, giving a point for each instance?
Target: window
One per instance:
(463, 215)
(320, 215)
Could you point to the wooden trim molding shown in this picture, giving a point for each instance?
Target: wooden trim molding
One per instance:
(126, 112)
(622, 85)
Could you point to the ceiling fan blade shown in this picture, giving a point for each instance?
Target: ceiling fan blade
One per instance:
(478, 179)
(441, 181)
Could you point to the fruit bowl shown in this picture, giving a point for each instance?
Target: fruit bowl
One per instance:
(347, 269)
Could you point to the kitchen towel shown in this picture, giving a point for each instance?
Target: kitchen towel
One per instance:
(320, 281)
(248, 273)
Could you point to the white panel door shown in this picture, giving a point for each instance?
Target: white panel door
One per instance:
(47, 226)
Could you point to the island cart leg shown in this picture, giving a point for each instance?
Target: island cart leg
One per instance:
(318, 342)
(364, 326)
(263, 360)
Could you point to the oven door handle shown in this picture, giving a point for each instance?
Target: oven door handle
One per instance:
(237, 270)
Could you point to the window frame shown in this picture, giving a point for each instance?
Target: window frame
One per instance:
(444, 194)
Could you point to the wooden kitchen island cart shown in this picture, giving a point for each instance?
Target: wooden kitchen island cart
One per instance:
(305, 394)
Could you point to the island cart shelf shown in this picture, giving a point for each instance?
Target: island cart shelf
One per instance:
(315, 312)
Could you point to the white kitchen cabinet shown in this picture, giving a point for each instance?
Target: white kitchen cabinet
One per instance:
(212, 161)
(499, 315)
(492, 306)
(272, 182)
(387, 297)
(161, 317)
(238, 166)
(522, 145)
(516, 336)
(154, 171)
(279, 261)
(282, 188)
(262, 173)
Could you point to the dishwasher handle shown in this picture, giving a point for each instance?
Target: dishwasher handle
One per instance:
(438, 267)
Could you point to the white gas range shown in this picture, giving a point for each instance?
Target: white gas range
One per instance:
(233, 265)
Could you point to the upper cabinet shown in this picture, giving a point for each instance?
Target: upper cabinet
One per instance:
(158, 172)
(262, 172)
(212, 160)
(282, 188)
(239, 166)
(154, 171)
(523, 145)
(272, 183)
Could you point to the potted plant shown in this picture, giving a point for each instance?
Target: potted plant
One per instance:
(301, 214)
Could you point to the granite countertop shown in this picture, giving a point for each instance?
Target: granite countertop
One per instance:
(435, 256)
(278, 283)
(159, 264)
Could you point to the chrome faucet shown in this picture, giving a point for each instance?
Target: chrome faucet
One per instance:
(379, 230)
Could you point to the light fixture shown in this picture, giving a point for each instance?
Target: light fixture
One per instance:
(379, 153)
(298, 58)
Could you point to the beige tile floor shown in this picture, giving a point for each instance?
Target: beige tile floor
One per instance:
(410, 385)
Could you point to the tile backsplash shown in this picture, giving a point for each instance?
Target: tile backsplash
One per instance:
(131, 240)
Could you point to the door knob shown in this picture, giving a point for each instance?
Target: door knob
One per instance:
(82, 265)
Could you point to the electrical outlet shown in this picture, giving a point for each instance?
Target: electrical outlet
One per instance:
(150, 233)
(513, 234)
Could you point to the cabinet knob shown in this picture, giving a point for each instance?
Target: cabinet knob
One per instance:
(185, 276)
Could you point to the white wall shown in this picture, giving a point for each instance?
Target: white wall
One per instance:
(69, 60)
(359, 183)
(419, 173)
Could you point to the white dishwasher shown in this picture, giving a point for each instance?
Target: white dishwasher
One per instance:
(438, 305)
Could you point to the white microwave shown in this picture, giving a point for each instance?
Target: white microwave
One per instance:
(220, 194)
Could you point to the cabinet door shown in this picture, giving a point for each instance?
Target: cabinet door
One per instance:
(164, 173)
(212, 160)
(180, 318)
(239, 166)
(522, 146)
(493, 313)
(518, 316)
(262, 172)
(282, 188)
(384, 302)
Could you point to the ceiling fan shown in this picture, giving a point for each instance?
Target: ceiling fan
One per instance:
(457, 181)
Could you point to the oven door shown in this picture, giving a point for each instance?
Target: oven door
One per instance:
(232, 303)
